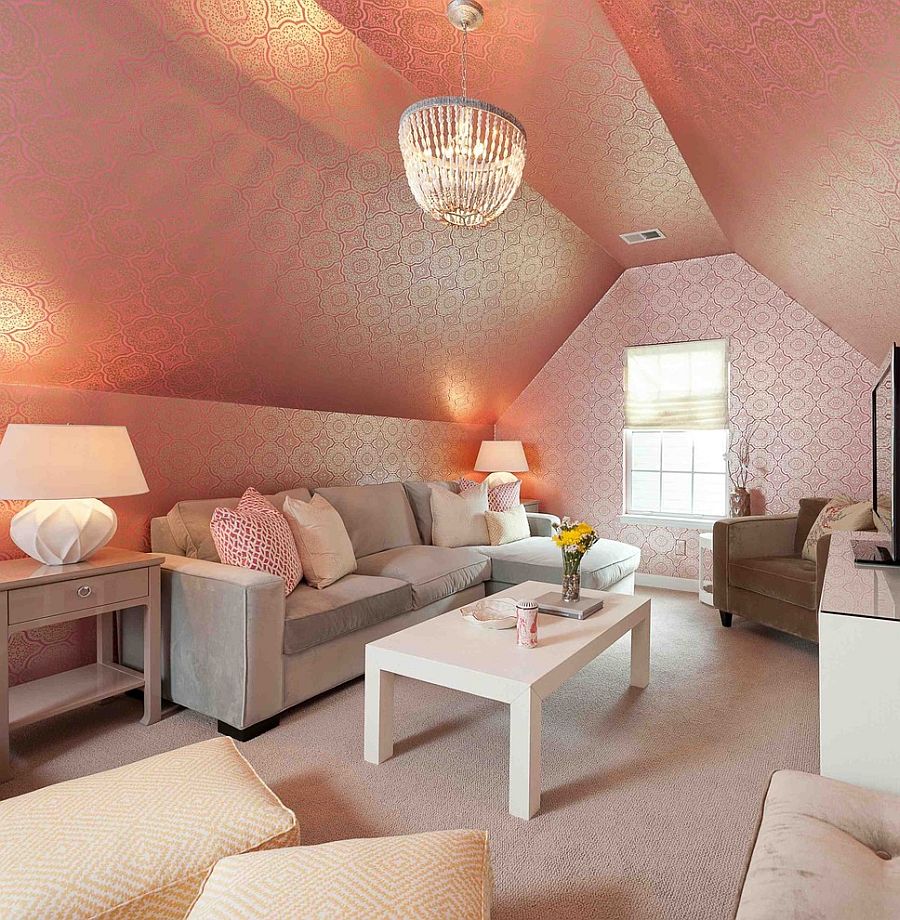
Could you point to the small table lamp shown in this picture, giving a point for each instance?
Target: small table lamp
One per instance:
(65, 467)
(501, 459)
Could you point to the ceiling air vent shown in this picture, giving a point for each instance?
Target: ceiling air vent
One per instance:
(642, 236)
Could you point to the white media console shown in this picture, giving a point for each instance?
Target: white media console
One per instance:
(859, 670)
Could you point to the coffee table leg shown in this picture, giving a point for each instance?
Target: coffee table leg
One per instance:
(525, 755)
(379, 730)
(640, 653)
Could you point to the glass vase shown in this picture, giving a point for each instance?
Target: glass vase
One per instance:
(571, 579)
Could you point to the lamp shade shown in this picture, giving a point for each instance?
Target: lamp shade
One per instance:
(68, 461)
(501, 456)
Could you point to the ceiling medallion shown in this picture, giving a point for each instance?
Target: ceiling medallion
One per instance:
(464, 158)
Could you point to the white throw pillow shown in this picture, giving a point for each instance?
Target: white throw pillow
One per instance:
(507, 526)
(458, 520)
(326, 552)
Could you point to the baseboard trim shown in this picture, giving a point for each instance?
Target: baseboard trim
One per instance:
(648, 580)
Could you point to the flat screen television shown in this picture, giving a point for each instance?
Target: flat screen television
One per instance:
(885, 467)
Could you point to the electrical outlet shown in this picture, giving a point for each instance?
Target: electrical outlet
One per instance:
(680, 548)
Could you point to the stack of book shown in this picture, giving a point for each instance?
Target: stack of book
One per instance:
(552, 602)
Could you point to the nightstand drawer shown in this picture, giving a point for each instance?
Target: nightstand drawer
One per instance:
(76, 594)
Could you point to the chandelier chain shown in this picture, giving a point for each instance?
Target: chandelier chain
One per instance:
(465, 74)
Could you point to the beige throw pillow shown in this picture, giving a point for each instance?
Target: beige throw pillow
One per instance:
(507, 526)
(458, 520)
(841, 513)
(326, 552)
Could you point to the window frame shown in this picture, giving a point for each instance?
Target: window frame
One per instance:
(677, 519)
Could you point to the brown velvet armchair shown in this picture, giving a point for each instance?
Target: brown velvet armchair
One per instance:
(759, 574)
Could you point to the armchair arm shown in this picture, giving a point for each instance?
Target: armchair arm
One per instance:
(541, 525)
(745, 538)
(225, 636)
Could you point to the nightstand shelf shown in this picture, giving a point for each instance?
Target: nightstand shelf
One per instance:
(50, 696)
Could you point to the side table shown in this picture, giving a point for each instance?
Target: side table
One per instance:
(34, 595)
(705, 570)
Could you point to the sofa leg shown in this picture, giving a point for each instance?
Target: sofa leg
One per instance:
(725, 617)
(251, 731)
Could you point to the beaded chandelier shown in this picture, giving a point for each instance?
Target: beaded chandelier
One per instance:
(464, 158)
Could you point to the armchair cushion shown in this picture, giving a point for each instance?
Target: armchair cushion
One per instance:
(784, 578)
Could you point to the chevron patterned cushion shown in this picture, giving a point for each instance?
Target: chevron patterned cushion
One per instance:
(256, 535)
(502, 497)
(137, 841)
(434, 876)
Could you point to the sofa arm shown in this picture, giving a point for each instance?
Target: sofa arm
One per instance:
(541, 525)
(747, 538)
(225, 630)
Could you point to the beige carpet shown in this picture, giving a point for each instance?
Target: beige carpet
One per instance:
(651, 797)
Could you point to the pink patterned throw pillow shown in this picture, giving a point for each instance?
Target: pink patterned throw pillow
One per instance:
(256, 535)
(503, 497)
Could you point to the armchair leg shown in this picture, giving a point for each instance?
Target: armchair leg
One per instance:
(725, 617)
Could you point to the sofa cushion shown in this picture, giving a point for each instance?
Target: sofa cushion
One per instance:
(458, 520)
(784, 578)
(432, 876)
(189, 522)
(320, 536)
(419, 495)
(825, 850)
(136, 841)
(376, 516)
(314, 616)
(433, 571)
(540, 559)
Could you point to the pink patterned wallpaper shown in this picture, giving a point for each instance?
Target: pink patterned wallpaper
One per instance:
(195, 449)
(597, 147)
(786, 112)
(807, 388)
(206, 199)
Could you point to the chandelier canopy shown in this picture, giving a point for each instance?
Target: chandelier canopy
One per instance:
(464, 158)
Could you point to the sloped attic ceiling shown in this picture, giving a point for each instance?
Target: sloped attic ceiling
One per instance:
(788, 115)
(204, 198)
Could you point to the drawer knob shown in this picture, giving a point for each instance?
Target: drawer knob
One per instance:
(85, 591)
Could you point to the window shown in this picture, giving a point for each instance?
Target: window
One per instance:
(676, 438)
(680, 473)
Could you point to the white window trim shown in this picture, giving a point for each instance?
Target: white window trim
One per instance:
(671, 520)
(657, 518)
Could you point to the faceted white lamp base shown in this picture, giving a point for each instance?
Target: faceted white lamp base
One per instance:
(496, 479)
(60, 531)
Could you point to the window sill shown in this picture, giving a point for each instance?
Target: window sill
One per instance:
(687, 522)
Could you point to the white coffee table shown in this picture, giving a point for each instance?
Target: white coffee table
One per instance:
(451, 652)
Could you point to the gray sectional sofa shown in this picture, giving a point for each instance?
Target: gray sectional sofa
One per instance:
(238, 650)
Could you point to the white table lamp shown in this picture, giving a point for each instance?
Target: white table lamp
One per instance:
(66, 468)
(501, 459)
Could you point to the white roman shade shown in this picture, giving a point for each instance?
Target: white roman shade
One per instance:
(679, 386)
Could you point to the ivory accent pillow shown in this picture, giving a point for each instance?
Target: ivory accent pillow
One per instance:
(507, 526)
(255, 535)
(841, 513)
(326, 552)
(458, 520)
